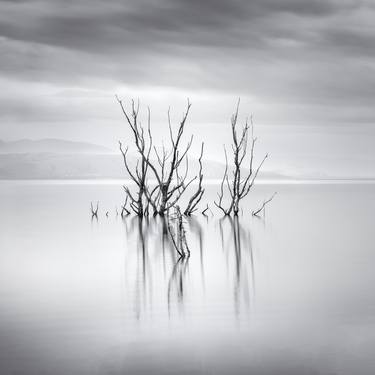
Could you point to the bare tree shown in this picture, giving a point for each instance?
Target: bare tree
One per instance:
(171, 184)
(138, 203)
(239, 186)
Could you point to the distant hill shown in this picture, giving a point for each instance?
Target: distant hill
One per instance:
(60, 166)
(59, 159)
(50, 145)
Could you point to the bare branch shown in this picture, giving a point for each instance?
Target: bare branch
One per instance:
(221, 194)
(94, 211)
(205, 210)
(259, 210)
(197, 196)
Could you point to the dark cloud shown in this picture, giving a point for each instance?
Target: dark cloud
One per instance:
(313, 54)
(97, 26)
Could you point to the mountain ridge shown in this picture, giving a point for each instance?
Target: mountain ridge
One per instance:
(51, 145)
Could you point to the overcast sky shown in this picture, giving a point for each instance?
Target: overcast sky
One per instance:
(304, 69)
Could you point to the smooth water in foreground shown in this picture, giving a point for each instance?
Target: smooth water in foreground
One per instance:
(288, 294)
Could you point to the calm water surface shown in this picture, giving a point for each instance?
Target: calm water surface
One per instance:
(288, 294)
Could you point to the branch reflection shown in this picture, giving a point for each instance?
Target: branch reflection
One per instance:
(158, 273)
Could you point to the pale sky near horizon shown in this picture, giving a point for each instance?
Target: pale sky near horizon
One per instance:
(304, 69)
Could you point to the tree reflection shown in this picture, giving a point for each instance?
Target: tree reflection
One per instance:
(239, 256)
(176, 284)
(158, 272)
(143, 284)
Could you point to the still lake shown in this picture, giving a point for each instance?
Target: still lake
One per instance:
(288, 294)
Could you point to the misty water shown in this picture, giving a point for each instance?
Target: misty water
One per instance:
(288, 294)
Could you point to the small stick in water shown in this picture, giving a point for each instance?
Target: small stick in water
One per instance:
(259, 210)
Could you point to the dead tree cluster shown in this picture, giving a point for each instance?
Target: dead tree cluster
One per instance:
(161, 174)
(168, 167)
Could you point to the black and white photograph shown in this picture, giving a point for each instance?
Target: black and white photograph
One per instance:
(187, 187)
